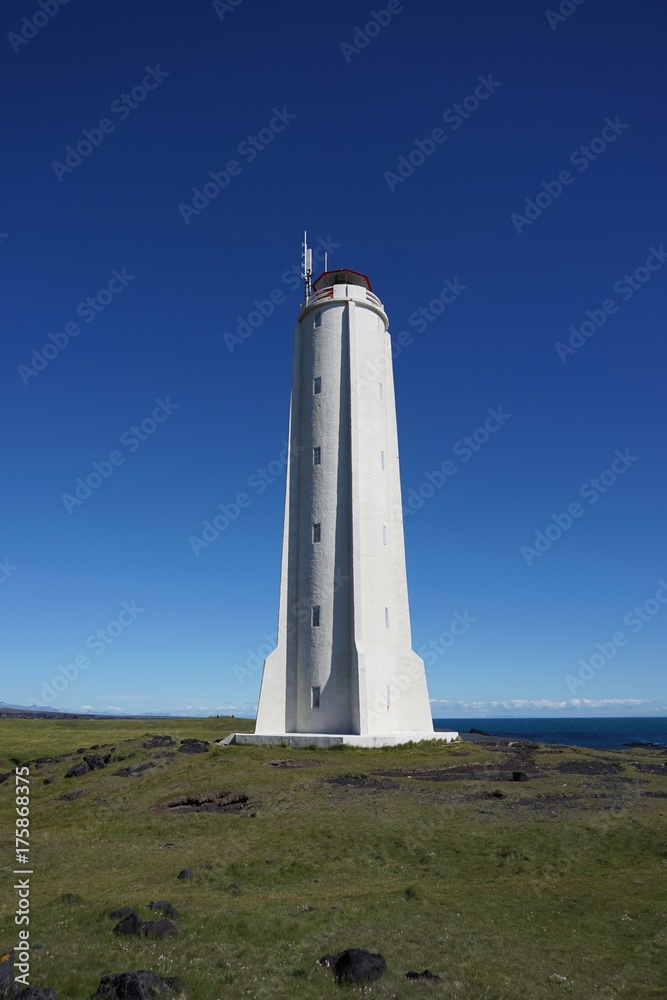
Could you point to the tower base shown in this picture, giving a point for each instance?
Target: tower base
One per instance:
(324, 741)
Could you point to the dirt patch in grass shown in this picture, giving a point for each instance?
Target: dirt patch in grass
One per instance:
(588, 767)
(541, 802)
(221, 802)
(650, 768)
(453, 769)
(292, 762)
(361, 781)
(132, 772)
(475, 771)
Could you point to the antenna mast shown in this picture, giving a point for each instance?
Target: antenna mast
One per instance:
(306, 266)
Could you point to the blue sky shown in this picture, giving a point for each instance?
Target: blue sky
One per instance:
(517, 155)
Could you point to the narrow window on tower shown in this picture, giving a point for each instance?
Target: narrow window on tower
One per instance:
(386, 617)
(317, 532)
(380, 390)
(316, 615)
(316, 697)
(318, 319)
(384, 534)
(317, 456)
(317, 385)
(382, 459)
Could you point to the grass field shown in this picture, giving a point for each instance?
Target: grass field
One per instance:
(526, 890)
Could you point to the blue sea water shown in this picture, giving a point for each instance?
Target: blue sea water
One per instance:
(604, 734)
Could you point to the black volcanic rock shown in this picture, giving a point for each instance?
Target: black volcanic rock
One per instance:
(355, 965)
(77, 769)
(129, 926)
(160, 741)
(194, 746)
(164, 906)
(162, 928)
(141, 985)
(95, 761)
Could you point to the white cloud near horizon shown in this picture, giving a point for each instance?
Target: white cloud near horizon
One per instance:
(544, 704)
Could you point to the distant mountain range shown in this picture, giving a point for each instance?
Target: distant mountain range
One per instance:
(39, 708)
(51, 709)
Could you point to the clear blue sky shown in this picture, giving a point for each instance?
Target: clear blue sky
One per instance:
(172, 92)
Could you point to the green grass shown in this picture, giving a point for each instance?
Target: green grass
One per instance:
(497, 895)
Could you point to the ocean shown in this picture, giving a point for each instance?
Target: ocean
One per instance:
(603, 734)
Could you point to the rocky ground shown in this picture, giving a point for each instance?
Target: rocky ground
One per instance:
(166, 865)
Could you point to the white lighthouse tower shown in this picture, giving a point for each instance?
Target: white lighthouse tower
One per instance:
(344, 670)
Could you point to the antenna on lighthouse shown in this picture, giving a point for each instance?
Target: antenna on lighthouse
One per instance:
(306, 266)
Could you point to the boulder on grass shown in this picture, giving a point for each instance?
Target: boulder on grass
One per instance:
(76, 769)
(129, 925)
(328, 961)
(162, 928)
(141, 985)
(355, 965)
(164, 906)
(96, 761)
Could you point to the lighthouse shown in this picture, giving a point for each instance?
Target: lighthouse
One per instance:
(343, 670)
